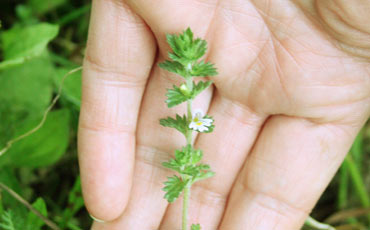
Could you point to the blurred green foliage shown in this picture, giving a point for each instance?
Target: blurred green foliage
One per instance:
(40, 41)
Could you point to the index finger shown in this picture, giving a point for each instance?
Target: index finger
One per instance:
(119, 57)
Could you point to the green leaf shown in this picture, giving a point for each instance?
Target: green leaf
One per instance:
(23, 43)
(7, 221)
(8, 178)
(28, 86)
(25, 91)
(75, 203)
(180, 123)
(203, 69)
(174, 67)
(173, 188)
(185, 161)
(198, 88)
(175, 96)
(41, 7)
(34, 222)
(195, 227)
(45, 146)
(184, 158)
(203, 175)
(185, 48)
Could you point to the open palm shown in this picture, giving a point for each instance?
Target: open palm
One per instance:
(292, 92)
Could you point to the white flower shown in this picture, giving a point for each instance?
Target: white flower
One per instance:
(199, 123)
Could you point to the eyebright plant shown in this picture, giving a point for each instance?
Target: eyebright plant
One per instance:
(185, 62)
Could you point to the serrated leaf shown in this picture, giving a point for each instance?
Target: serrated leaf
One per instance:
(180, 123)
(184, 160)
(8, 178)
(34, 41)
(173, 188)
(203, 175)
(188, 155)
(7, 222)
(195, 227)
(174, 67)
(203, 69)
(185, 48)
(172, 164)
(175, 97)
(34, 222)
(200, 87)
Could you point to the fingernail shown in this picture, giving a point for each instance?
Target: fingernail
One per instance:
(96, 219)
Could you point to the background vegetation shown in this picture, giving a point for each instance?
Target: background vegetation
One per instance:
(40, 41)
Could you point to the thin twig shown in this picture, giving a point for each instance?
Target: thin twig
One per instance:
(37, 127)
(315, 224)
(48, 222)
(345, 214)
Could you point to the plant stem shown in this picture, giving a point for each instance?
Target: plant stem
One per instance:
(311, 222)
(189, 141)
(189, 136)
(185, 207)
(15, 195)
(358, 182)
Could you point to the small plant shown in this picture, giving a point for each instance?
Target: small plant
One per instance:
(185, 62)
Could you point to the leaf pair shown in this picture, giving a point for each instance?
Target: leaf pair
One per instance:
(186, 52)
(186, 162)
(201, 69)
(178, 95)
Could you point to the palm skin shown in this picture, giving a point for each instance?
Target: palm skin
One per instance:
(292, 92)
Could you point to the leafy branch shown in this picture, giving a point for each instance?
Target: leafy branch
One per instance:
(185, 55)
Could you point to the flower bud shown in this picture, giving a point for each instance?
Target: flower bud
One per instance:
(184, 89)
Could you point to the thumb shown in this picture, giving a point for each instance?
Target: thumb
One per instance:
(347, 22)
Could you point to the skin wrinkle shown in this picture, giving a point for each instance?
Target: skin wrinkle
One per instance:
(280, 206)
(347, 48)
(233, 106)
(113, 74)
(342, 30)
(153, 156)
(228, 14)
(311, 12)
(350, 20)
(204, 195)
(109, 128)
(276, 62)
(243, 74)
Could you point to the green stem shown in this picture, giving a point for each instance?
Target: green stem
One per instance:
(185, 208)
(189, 136)
(358, 182)
(311, 222)
(343, 187)
(189, 141)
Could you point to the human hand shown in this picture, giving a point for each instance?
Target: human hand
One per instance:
(292, 92)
